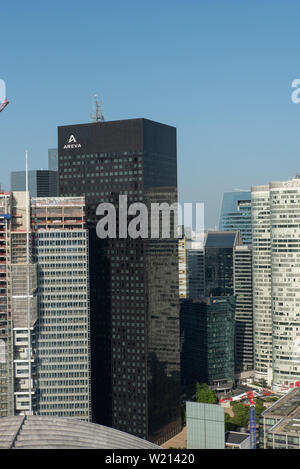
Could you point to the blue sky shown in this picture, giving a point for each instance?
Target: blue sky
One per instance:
(220, 71)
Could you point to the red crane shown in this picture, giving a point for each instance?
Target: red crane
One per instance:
(4, 104)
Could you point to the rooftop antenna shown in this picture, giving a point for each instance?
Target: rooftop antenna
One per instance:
(97, 116)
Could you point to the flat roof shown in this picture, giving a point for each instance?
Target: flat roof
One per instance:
(236, 438)
(286, 405)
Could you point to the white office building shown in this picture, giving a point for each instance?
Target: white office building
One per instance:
(276, 275)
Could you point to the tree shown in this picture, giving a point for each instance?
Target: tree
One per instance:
(205, 394)
(259, 408)
(241, 415)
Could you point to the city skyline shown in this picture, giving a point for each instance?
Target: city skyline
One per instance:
(191, 67)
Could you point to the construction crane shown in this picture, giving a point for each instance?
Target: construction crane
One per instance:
(249, 395)
(4, 104)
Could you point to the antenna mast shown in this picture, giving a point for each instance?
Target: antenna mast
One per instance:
(97, 116)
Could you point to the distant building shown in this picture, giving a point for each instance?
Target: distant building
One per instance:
(207, 342)
(279, 425)
(244, 353)
(53, 159)
(41, 183)
(205, 426)
(182, 267)
(195, 273)
(236, 214)
(219, 253)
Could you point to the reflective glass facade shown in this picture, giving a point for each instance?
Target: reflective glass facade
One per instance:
(236, 214)
(133, 282)
(207, 337)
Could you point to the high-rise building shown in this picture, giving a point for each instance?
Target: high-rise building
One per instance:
(41, 183)
(275, 277)
(262, 300)
(44, 316)
(134, 282)
(243, 309)
(63, 328)
(18, 313)
(236, 214)
(207, 338)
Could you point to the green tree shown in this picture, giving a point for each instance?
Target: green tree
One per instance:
(241, 414)
(259, 408)
(205, 394)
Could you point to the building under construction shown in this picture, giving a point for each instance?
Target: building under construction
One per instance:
(44, 316)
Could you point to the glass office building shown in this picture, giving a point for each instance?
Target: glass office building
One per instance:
(219, 254)
(207, 338)
(41, 183)
(135, 347)
(236, 214)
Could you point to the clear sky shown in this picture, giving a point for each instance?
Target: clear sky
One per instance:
(220, 71)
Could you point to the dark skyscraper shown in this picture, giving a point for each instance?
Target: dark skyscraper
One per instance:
(133, 282)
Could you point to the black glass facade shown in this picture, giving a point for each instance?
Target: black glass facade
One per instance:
(207, 337)
(133, 282)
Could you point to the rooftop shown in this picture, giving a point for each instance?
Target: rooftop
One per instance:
(42, 432)
(235, 438)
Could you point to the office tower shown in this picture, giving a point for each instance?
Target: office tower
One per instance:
(219, 253)
(195, 258)
(236, 214)
(134, 282)
(44, 311)
(207, 338)
(262, 300)
(23, 305)
(63, 329)
(52, 159)
(182, 259)
(285, 276)
(41, 183)
(243, 309)
(275, 278)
